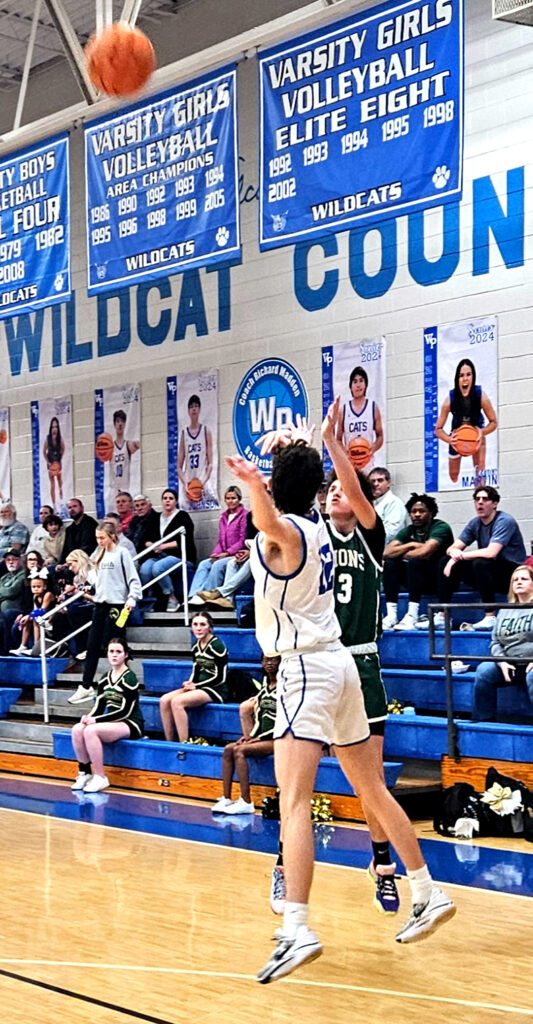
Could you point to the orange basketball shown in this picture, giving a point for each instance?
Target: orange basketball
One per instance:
(119, 59)
(3, 436)
(103, 448)
(359, 452)
(54, 468)
(466, 439)
(195, 489)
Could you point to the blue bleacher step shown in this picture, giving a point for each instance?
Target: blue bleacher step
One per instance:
(411, 647)
(426, 738)
(163, 674)
(461, 596)
(8, 696)
(427, 689)
(27, 671)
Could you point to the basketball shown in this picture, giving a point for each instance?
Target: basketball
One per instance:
(54, 468)
(3, 436)
(195, 489)
(359, 452)
(466, 439)
(120, 59)
(103, 448)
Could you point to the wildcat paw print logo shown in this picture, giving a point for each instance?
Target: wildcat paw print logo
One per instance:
(58, 282)
(441, 176)
(222, 237)
(101, 271)
(279, 221)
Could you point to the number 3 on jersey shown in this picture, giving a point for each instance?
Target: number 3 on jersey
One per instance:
(326, 578)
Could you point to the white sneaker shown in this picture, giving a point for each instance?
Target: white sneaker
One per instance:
(21, 651)
(97, 783)
(221, 804)
(426, 917)
(82, 695)
(81, 780)
(196, 601)
(278, 890)
(408, 622)
(438, 620)
(173, 604)
(487, 622)
(290, 954)
(239, 806)
(81, 656)
(389, 621)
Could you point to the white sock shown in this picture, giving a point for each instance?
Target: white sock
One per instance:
(392, 608)
(412, 609)
(421, 884)
(294, 915)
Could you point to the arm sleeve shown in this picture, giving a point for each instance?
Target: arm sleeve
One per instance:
(503, 531)
(404, 536)
(467, 536)
(131, 576)
(220, 544)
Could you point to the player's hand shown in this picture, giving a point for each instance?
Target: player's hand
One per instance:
(289, 434)
(244, 470)
(331, 421)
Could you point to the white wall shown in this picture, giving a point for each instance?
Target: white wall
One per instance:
(267, 319)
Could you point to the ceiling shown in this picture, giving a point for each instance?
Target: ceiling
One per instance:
(16, 18)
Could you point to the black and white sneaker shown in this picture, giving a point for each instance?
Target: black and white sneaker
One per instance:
(290, 954)
(426, 917)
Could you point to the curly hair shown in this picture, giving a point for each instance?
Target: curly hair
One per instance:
(424, 499)
(297, 474)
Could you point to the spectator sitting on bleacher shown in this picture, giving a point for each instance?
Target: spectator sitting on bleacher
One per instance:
(412, 559)
(257, 716)
(389, 507)
(512, 638)
(231, 536)
(42, 600)
(207, 681)
(237, 574)
(124, 508)
(123, 541)
(167, 554)
(12, 596)
(55, 539)
(144, 522)
(500, 549)
(14, 536)
(39, 534)
(80, 533)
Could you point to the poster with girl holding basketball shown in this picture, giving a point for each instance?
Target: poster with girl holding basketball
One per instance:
(53, 475)
(461, 382)
(357, 372)
(5, 462)
(192, 416)
(117, 428)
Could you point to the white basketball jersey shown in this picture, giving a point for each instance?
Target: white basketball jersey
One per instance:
(358, 424)
(119, 467)
(195, 447)
(296, 612)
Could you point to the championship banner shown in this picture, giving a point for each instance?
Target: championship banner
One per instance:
(117, 457)
(269, 396)
(34, 228)
(5, 461)
(357, 372)
(192, 416)
(51, 441)
(361, 119)
(461, 399)
(162, 184)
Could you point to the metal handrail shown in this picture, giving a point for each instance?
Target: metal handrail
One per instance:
(179, 531)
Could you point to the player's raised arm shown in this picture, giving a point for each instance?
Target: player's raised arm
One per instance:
(362, 507)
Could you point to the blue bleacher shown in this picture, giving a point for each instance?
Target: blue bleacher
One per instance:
(8, 696)
(27, 671)
(163, 674)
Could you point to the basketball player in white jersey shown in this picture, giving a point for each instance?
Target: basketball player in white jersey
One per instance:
(361, 417)
(119, 465)
(195, 458)
(319, 692)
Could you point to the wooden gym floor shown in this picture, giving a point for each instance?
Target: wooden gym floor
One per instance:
(104, 924)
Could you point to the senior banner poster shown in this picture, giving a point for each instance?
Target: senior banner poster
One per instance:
(461, 399)
(162, 184)
(34, 228)
(117, 430)
(357, 372)
(51, 437)
(5, 462)
(192, 416)
(361, 119)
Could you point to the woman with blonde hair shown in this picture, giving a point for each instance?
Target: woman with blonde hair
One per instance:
(512, 639)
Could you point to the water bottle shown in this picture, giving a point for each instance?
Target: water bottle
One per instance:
(123, 617)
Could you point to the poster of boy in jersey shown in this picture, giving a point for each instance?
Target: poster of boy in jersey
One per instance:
(53, 471)
(192, 414)
(356, 371)
(461, 387)
(5, 463)
(117, 427)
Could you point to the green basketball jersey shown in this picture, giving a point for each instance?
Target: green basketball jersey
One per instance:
(358, 568)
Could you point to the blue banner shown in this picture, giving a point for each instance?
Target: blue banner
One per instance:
(327, 397)
(35, 453)
(98, 464)
(269, 397)
(431, 408)
(172, 432)
(162, 184)
(34, 228)
(362, 119)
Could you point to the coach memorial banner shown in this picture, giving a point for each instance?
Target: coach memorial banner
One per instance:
(461, 399)
(34, 228)
(51, 441)
(5, 462)
(357, 372)
(117, 457)
(270, 395)
(361, 119)
(192, 416)
(162, 184)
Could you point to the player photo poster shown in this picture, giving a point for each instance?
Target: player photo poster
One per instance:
(5, 462)
(461, 399)
(356, 371)
(117, 456)
(192, 414)
(53, 473)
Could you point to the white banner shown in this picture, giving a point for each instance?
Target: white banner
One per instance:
(192, 415)
(357, 372)
(117, 427)
(5, 461)
(53, 474)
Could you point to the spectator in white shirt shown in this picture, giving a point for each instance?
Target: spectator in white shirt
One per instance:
(389, 507)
